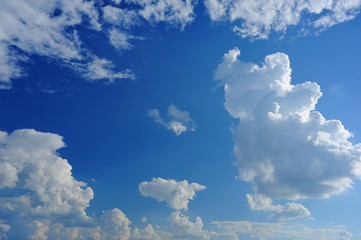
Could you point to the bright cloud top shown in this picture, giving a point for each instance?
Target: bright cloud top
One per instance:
(28, 161)
(176, 194)
(283, 145)
(178, 121)
(258, 18)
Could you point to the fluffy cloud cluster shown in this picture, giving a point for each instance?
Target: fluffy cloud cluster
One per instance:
(283, 145)
(28, 161)
(176, 194)
(258, 18)
(40, 199)
(48, 29)
(177, 120)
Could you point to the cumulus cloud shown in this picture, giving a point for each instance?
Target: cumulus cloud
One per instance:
(176, 194)
(185, 229)
(40, 199)
(288, 211)
(177, 120)
(262, 231)
(283, 145)
(259, 18)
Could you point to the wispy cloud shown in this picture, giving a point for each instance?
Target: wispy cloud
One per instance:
(177, 120)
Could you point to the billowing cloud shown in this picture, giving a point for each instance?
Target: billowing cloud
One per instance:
(176, 194)
(259, 18)
(185, 229)
(177, 120)
(283, 145)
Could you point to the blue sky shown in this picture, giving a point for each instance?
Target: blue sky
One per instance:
(180, 119)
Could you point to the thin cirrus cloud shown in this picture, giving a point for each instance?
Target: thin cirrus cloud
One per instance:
(177, 121)
(259, 18)
(283, 146)
(176, 194)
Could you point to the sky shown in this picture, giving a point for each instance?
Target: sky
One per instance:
(180, 119)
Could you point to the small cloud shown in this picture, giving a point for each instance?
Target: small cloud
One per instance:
(100, 69)
(176, 194)
(177, 121)
(288, 211)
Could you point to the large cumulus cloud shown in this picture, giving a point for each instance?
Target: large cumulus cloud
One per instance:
(283, 146)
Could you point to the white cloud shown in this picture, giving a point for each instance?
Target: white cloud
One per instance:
(101, 68)
(147, 234)
(283, 145)
(259, 18)
(48, 29)
(177, 121)
(176, 194)
(174, 12)
(288, 211)
(185, 229)
(123, 18)
(115, 225)
(283, 230)
(45, 28)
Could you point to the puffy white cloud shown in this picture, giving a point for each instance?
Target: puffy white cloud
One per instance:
(41, 183)
(288, 211)
(185, 229)
(259, 18)
(283, 145)
(32, 164)
(283, 230)
(115, 225)
(148, 233)
(177, 121)
(176, 194)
